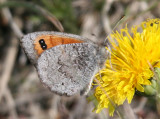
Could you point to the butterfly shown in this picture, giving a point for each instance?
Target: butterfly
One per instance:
(66, 63)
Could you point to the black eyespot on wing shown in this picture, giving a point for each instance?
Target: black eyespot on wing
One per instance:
(41, 41)
(44, 47)
(43, 44)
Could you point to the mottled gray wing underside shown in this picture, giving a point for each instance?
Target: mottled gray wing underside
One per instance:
(68, 69)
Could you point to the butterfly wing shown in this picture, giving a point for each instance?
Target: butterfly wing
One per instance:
(68, 69)
(28, 42)
(69, 62)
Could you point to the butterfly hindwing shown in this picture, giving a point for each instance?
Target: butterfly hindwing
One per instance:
(68, 69)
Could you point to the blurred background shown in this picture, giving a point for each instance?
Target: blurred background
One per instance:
(22, 96)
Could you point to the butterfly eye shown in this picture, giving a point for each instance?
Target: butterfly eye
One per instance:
(43, 44)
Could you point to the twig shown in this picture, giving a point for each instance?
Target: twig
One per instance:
(141, 105)
(8, 66)
(53, 112)
(9, 62)
(12, 51)
(21, 100)
(105, 18)
(7, 15)
(134, 16)
(11, 104)
(128, 111)
(11, 55)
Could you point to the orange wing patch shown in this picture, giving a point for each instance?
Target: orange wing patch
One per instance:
(51, 41)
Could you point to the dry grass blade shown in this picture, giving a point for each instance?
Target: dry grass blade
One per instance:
(11, 54)
(37, 9)
(105, 18)
(8, 66)
(51, 18)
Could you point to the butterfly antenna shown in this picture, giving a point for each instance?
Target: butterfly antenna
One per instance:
(118, 23)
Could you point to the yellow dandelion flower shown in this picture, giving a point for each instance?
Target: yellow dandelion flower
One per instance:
(129, 67)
